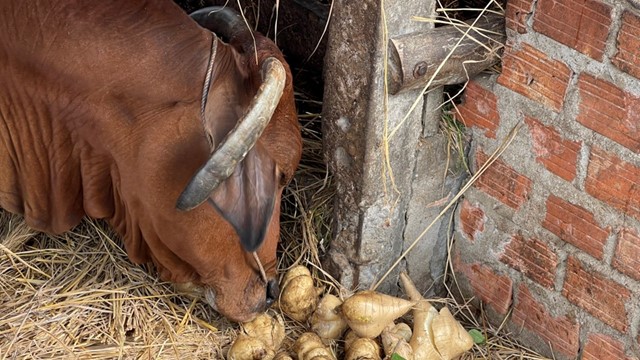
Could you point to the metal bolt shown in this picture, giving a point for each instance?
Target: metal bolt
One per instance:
(420, 69)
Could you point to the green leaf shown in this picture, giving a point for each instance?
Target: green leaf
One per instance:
(395, 356)
(477, 336)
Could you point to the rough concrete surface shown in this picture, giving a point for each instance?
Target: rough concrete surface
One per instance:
(382, 201)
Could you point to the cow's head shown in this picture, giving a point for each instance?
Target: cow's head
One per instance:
(228, 212)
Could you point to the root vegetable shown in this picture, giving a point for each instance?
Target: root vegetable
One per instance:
(309, 346)
(436, 336)
(368, 312)
(283, 356)
(349, 338)
(394, 332)
(395, 339)
(423, 314)
(326, 320)
(450, 338)
(362, 349)
(266, 328)
(410, 288)
(403, 330)
(249, 348)
(299, 296)
(422, 339)
(404, 350)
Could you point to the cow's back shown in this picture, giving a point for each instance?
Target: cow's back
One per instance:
(80, 80)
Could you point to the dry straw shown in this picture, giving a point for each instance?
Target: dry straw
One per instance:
(78, 296)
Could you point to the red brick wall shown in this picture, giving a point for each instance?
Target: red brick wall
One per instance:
(549, 236)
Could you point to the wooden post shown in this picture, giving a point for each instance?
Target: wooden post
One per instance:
(463, 53)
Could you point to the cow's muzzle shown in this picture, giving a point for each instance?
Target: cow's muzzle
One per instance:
(208, 294)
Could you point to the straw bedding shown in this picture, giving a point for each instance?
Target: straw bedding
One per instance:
(78, 296)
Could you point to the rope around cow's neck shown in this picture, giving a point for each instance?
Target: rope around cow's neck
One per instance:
(207, 78)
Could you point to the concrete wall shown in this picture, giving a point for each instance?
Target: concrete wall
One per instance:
(549, 237)
(390, 184)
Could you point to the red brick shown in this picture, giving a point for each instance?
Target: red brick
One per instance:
(628, 56)
(610, 111)
(555, 153)
(627, 259)
(532, 73)
(614, 181)
(561, 332)
(580, 24)
(601, 297)
(601, 347)
(502, 182)
(575, 225)
(533, 258)
(492, 289)
(479, 109)
(516, 14)
(472, 219)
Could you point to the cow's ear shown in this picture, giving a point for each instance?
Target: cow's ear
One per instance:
(246, 199)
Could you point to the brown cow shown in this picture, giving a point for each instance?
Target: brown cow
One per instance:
(130, 111)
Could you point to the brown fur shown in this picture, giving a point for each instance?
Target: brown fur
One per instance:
(100, 116)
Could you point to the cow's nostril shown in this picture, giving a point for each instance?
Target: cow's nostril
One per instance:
(273, 291)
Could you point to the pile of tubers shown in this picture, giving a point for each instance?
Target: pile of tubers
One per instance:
(364, 319)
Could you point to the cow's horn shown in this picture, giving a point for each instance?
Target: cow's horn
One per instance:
(225, 22)
(235, 146)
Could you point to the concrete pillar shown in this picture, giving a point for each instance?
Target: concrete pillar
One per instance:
(389, 168)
